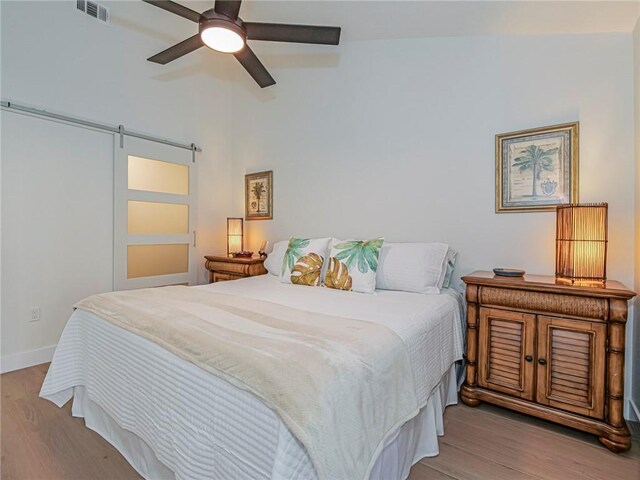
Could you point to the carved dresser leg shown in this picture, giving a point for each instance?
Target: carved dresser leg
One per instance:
(467, 394)
(616, 443)
(621, 441)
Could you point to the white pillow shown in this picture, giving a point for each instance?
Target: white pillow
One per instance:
(273, 262)
(352, 265)
(447, 271)
(412, 267)
(303, 261)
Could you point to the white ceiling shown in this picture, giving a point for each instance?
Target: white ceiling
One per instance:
(371, 20)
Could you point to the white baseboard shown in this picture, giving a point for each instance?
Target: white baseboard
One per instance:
(634, 411)
(17, 361)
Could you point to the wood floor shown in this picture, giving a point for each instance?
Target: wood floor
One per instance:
(43, 442)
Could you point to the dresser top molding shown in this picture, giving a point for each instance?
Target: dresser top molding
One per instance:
(547, 283)
(242, 260)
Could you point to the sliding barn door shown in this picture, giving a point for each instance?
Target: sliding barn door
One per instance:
(154, 215)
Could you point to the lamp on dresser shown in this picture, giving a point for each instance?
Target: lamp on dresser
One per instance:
(581, 243)
(235, 236)
(553, 347)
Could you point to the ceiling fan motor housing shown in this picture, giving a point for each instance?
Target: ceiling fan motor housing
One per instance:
(211, 19)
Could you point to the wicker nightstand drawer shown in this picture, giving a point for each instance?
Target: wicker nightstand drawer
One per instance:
(224, 277)
(556, 303)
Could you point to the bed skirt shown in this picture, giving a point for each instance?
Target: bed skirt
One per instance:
(416, 439)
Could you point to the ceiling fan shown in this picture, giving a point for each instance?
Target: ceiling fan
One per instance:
(222, 30)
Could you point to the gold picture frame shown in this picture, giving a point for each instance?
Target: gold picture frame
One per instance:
(258, 195)
(537, 169)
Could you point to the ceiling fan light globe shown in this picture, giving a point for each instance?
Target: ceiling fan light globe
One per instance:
(222, 39)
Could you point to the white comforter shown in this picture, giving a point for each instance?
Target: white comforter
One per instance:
(218, 430)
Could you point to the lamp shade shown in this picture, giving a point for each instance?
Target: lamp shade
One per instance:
(581, 243)
(234, 235)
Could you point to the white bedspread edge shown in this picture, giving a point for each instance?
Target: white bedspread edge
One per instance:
(413, 441)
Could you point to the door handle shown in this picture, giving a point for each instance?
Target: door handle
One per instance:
(529, 358)
(542, 361)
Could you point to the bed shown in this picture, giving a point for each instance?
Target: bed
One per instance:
(172, 419)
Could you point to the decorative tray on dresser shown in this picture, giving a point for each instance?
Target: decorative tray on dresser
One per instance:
(548, 349)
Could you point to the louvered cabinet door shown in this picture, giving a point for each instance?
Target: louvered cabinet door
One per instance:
(571, 365)
(505, 360)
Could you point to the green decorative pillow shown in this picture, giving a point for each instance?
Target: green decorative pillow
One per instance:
(353, 265)
(303, 260)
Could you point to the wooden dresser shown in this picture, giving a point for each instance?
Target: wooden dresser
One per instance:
(550, 350)
(222, 268)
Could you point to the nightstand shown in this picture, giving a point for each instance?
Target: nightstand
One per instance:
(548, 349)
(222, 268)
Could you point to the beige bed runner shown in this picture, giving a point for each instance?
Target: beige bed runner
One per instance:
(340, 385)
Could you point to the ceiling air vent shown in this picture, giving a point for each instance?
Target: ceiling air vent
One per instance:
(103, 14)
(93, 9)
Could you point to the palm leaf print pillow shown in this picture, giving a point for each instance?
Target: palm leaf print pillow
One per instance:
(303, 261)
(353, 265)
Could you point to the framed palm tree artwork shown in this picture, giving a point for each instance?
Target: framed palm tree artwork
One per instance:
(537, 169)
(258, 194)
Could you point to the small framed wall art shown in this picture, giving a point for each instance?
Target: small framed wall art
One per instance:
(537, 169)
(258, 194)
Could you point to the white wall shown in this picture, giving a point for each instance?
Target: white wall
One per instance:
(61, 60)
(635, 331)
(396, 138)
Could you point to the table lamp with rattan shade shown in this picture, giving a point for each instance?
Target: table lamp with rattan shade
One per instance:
(234, 235)
(581, 243)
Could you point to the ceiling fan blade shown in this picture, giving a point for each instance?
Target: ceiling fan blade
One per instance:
(176, 8)
(229, 8)
(178, 50)
(279, 32)
(254, 66)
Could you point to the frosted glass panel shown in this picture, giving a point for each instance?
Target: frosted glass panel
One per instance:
(156, 176)
(150, 260)
(157, 218)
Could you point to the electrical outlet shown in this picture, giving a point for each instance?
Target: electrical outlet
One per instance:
(34, 314)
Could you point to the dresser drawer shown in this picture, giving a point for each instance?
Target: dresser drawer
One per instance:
(228, 267)
(223, 277)
(554, 303)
